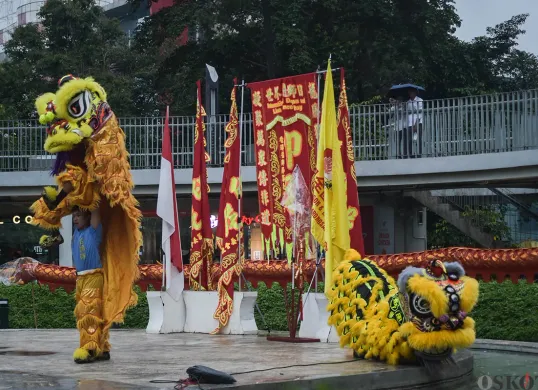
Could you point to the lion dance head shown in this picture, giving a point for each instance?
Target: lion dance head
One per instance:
(423, 317)
(77, 111)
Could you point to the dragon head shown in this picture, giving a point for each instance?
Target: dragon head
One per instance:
(77, 111)
(435, 301)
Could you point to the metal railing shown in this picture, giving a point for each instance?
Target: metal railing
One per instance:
(446, 127)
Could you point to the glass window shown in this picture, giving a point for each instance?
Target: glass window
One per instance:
(18, 238)
(150, 252)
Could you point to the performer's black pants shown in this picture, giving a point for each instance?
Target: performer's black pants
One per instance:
(405, 142)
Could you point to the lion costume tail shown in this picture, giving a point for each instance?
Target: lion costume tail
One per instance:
(364, 308)
(108, 161)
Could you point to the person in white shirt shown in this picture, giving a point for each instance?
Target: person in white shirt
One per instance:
(413, 131)
(397, 110)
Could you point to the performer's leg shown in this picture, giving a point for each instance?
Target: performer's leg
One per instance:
(105, 336)
(88, 313)
(400, 143)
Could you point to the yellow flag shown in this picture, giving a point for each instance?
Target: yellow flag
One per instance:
(330, 225)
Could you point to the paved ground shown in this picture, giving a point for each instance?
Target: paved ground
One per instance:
(138, 357)
(26, 362)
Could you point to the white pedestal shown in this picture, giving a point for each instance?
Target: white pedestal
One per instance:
(315, 316)
(201, 305)
(166, 313)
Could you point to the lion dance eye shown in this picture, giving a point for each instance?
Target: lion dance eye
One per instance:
(420, 305)
(79, 105)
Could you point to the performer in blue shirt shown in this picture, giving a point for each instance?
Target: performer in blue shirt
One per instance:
(86, 243)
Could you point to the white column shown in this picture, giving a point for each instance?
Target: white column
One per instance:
(66, 257)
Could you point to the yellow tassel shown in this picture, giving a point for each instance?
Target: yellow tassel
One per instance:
(352, 255)
(81, 354)
(50, 193)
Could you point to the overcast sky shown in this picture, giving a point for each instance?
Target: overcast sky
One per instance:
(476, 15)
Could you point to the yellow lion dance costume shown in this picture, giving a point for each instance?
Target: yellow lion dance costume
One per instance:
(421, 317)
(92, 161)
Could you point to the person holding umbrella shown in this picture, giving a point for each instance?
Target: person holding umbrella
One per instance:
(413, 129)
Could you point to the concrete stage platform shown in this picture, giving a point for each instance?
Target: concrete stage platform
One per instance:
(138, 358)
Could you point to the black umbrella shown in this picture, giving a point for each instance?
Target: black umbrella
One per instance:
(401, 90)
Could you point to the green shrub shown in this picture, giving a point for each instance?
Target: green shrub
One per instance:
(31, 303)
(505, 310)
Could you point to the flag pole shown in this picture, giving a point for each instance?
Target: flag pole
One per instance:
(199, 108)
(164, 259)
(319, 72)
(318, 251)
(242, 275)
(240, 176)
(314, 280)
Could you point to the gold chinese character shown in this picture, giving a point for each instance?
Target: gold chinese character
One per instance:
(265, 197)
(312, 91)
(292, 90)
(261, 158)
(257, 99)
(262, 178)
(269, 94)
(277, 93)
(315, 109)
(260, 139)
(259, 120)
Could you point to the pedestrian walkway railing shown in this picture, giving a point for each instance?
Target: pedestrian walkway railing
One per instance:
(434, 128)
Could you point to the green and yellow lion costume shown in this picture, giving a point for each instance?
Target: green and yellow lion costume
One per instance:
(422, 317)
(92, 161)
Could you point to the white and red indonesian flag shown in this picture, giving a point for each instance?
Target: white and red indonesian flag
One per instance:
(167, 205)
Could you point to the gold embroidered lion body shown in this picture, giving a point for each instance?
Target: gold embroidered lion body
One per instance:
(92, 170)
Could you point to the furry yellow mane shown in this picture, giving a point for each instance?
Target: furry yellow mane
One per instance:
(423, 316)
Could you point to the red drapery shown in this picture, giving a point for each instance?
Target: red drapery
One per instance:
(348, 160)
(285, 120)
(201, 234)
(229, 227)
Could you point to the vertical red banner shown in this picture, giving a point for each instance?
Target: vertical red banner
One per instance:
(229, 227)
(348, 161)
(201, 256)
(285, 118)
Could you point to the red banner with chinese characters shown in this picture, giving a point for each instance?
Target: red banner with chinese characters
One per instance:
(229, 227)
(348, 160)
(201, 257)
(285, 119)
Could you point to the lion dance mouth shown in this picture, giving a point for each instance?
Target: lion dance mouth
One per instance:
(422, 317)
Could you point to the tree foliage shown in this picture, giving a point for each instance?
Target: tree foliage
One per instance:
(74, 37)
(441, 234)
(379, 42)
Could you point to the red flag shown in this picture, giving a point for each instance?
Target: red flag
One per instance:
(348, 160)
(167, 203)
(285, 118)
(201, 234)
(230, 226)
